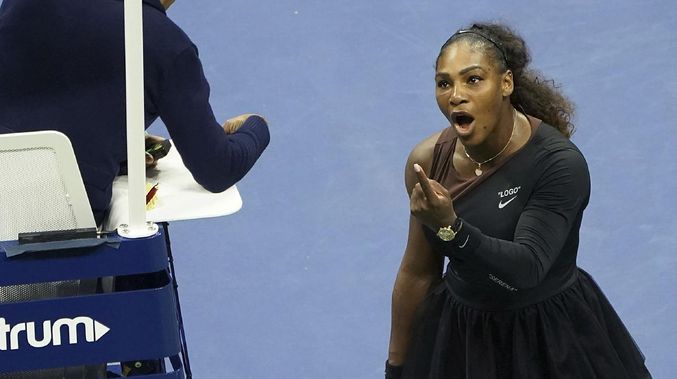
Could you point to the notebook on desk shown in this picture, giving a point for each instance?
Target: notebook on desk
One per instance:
(178, 196)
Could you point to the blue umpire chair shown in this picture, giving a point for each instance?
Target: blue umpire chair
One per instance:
(57, 318)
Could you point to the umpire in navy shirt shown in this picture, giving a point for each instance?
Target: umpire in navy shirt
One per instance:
(62, 68)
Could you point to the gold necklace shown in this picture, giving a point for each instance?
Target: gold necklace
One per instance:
(478, 170)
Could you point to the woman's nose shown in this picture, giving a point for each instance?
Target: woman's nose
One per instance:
(456, 97)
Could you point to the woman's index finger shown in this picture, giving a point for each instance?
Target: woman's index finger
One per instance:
(424, 181)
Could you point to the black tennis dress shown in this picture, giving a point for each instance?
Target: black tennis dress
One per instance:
(513, 303)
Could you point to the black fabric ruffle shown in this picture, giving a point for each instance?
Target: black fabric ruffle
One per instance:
(573, 334)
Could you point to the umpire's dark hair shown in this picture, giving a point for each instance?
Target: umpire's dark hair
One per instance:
(533, 94)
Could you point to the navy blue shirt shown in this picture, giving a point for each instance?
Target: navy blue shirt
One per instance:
(62, 68)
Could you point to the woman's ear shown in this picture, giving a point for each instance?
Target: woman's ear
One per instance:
(507, 84)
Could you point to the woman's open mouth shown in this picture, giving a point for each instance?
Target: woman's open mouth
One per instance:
(463, 122)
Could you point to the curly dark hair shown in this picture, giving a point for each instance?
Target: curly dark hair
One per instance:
(533, 94)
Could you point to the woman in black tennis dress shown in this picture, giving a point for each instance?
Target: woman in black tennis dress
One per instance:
(504, 203)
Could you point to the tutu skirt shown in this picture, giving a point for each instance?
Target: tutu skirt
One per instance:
(573, 334)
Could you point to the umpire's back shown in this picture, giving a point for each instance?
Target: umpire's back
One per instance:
(62, 68)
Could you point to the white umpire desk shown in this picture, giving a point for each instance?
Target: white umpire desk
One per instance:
(179, 197)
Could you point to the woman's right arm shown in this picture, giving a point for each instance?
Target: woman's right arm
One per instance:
(420, 267)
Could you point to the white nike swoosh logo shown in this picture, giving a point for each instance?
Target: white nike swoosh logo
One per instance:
(502, 205)
(464, 243)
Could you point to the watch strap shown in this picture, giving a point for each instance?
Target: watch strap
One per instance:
(457, 225)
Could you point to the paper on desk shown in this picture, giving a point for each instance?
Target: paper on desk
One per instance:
(179, 197)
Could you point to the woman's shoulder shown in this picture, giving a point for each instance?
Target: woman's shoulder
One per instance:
(549, 146)
(422, 154)
(550, 139)
(556, 154)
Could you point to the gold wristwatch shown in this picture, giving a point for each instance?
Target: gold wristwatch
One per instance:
(448, 233)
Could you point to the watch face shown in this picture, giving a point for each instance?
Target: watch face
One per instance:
(446, 234)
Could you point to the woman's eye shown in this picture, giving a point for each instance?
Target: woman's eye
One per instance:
(442, 84)
(474, 79)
